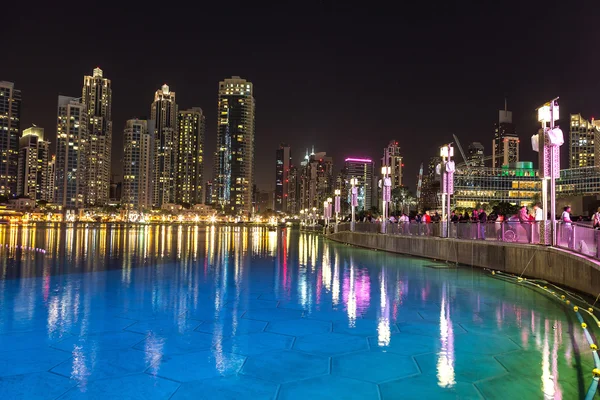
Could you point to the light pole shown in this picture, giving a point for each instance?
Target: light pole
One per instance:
(314, 210)
(548, 146)
(386, 190)
(325, 215)
(354, 201)
(447, 171)
(301, 217)
(337, 207)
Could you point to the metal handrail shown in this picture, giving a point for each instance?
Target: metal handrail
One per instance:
(575, 237)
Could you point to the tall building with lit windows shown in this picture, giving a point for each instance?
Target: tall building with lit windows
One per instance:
(71, 152)
(505, 146)
(97, 98)
(362, 169)
(164, 112)
(584, 142)
(10, 128)
(51, 179)
(233, 176)
(32, 176)
(138, 147)
(190, 156)
(283, 159)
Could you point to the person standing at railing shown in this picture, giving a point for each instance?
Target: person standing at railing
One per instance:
(525, 223)
(596, 219)
(482, 221)
(567, 226)
(538, 217)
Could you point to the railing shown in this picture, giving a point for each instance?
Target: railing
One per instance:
(578, 238)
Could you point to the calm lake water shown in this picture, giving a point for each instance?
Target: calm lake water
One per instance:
(183, 312)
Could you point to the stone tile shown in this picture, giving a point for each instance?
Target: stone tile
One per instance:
(329, 344)
(40, 385)
(91, 365)
(405, 344)
(226, 328)
(373, 366)
(177, 343)
(227, 388)
(299, 327)
(101, 341)
(270, 315)
(483, 344)
(165, 326)
(530, 387)
(328, 387)
(364, 327)
(424, 387)
(256, 343)
(329, 315)
(285, 366)
(30, 340)
(20, 362)
(427, 328)
(99, 324)
(198, 365)
(250, 304)
(466, 367)
(132, 387)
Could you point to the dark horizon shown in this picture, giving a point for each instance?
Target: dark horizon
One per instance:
(345, 79)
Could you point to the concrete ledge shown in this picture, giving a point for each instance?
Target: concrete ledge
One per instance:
(561, 267)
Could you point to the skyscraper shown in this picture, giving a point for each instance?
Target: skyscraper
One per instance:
(71, 152)
(584, 137)
(10, 127)
(394, 160)
(293, 206)
(283, 160)
(475, 155)
(97, 99)
(32, 176)
(505, 147)
(138, 143)
(164, 112)
(190, 156)
(316, 180)
(208, 193)
(233, 176)
(51, 179)
(362, 169)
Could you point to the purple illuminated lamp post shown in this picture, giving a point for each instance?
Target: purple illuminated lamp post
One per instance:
(386, 189)
(354, 200)
(548, 143)
(337, 207)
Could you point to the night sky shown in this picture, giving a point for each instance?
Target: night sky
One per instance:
(346, 79)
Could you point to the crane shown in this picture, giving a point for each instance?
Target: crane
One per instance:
(462, 152)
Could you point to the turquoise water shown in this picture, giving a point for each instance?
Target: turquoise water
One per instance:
(243, 313)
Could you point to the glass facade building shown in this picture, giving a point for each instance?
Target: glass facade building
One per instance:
(10, 128)
(138, 158)
(190, 157)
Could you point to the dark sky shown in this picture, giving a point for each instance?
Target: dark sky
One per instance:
(346, 79)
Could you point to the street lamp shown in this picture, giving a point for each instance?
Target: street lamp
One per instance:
(548, 143)
(447, 168)
(326, 214)
(337, 207)
(314, 210)
(354, 200)
(386, 189)
(301, 217)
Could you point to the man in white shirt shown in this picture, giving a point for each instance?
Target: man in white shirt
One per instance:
(538, 214)
(567, 226)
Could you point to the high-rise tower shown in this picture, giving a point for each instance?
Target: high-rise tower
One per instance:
(190, 156)
(164, 112)
(584, 137)
(282, 178)
(32, 176)
(71, 152)
(234, 159)
(505, 147)
(138, 145)
(10, 127)
(97, 99)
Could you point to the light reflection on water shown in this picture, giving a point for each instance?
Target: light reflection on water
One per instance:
(91, 274)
